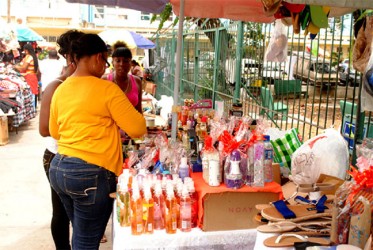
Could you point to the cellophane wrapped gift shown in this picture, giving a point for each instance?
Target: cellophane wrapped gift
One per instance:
(349, 203)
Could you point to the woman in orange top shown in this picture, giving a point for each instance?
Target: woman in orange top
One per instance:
(29, 67)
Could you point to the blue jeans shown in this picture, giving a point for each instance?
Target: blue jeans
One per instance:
(60, 224)
(84, 190)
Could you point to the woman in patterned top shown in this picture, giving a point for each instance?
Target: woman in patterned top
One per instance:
(29, 67)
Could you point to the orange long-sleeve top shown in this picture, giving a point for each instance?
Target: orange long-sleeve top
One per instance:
(85, 116)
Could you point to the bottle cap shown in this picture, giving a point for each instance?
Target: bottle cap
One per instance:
(204, 119)
(267, 137)
(235, 155)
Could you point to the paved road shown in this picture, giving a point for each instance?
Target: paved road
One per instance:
(25, 208)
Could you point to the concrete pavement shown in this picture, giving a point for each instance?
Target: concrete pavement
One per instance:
(25, 207)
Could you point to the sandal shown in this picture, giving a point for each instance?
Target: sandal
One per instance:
(295, 213)
(288, 240)
(319, 227)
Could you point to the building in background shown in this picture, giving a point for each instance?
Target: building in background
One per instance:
(51, 18)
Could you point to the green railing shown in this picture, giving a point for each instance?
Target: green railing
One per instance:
(226, 63)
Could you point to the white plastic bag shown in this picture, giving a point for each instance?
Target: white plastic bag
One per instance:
(278, 44)
(326, 153)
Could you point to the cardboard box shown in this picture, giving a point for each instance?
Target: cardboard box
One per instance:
(227, 209)
(150, 88)
(233, 210)
(4, 134)
(276, 173)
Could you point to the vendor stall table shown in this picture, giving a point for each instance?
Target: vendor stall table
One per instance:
(196, 239)
(241, 238)
(222, 208)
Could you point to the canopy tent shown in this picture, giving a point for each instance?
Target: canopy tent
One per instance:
(355, 4)
(244, 10)
(8, 38)
(132, 39)
(25, 34)
(151, 6)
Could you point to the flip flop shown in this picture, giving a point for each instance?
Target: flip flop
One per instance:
(312, 28)
(295, 22)
(318, 16)
(259, 218)
(277, 227)
(305, 17)
(271, 6)
(260, 207)
(295, 8)
(288, 240)
(301, 213)
(315, 227)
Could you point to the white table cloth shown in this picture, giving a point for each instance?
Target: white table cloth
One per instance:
(196, 239)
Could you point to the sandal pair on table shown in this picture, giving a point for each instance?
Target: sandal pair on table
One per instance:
(308, 222)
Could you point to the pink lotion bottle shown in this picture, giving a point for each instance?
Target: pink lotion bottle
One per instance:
(185, 211)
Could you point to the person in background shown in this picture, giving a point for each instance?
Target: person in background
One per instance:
(60, 224)
(129, 84)
(29, 68)
(85, 117)
(136, 69)
(50, 68)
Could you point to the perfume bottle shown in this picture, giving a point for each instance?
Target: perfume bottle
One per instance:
(233, 176)
(211, 167)
(123, 204)
(136, 212)
(171, 213)
(268, 159)
(250, 166)
(203, 128)
(148, 212)
(194, 202)
(185, 211)
(177, 191)
(259, 162)
(159, 207)
(184, 168)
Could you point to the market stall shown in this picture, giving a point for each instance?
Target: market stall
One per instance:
(316, 204)
(15, 94)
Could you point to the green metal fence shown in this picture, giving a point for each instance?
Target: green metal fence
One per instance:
(315, 88)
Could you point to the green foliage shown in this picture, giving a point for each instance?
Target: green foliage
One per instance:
(43, 54)
(364, 13)
(163, 16)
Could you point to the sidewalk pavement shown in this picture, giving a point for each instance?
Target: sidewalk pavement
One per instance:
(26, 209)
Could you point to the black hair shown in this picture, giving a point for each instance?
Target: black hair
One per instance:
(52, 53)
(119, 44)
(122, 52)
(31, 51)
(135, 62)
(87, 45)
(65, 40)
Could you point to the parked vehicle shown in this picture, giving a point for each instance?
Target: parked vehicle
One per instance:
(348, 76)
(270, 74)
(317, 71)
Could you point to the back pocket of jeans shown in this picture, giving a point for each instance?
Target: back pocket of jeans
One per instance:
(81, 190)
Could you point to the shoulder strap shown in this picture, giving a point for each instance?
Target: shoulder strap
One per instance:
(110, 77)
